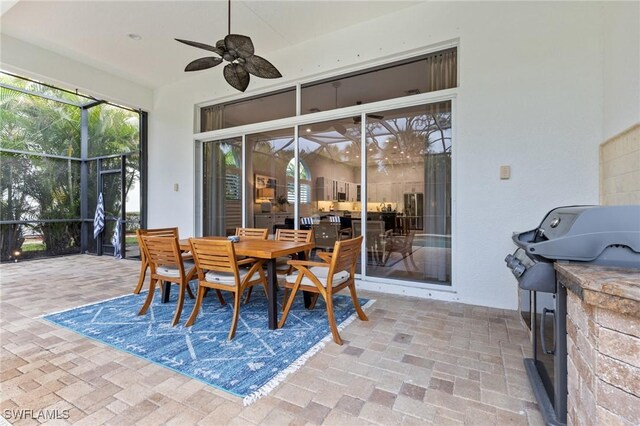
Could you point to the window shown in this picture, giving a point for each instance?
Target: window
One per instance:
(305, 183)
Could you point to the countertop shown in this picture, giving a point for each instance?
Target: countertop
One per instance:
(613, 288)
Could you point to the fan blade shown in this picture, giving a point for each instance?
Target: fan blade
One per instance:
(203, 63)
(200, 46)
(340, 128)
(236, 76)
(241, 44)
(262, 68)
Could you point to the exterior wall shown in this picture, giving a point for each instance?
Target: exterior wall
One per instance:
(621, 60)
(620, 168)
(603, 365)
(530, 96)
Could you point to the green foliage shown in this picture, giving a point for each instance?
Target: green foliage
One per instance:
(39, 188)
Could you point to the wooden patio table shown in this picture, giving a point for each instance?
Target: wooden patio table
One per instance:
(269, 250)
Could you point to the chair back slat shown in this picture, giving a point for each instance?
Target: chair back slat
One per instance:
(345, 255)
(156, 232)
(162, 251)
(257, 233)
(213, 255)
(295, 235)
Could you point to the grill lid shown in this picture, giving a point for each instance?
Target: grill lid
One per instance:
(606, 235)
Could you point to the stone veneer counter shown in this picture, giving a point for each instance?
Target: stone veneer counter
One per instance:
(603, 344)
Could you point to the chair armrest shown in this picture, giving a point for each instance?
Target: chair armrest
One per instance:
(326, 256)
(307, 263)
(247, 261)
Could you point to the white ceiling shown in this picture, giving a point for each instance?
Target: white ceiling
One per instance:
(95, 32)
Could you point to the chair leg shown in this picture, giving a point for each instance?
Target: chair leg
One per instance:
(290, 300)
(285, 298)
(147, 302)
(176, 316)
(196, 307)
(332, 319)
(220, 298)
(356, 303)
(191, 295)
(314, 299)
(236, 312)
(246, 299)
(143, 273)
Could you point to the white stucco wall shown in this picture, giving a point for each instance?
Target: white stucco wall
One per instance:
(621, 61)
(534, 94)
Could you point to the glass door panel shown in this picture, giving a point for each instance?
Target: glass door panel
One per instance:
(270, 179)
(329, 178)
(222, 186)
(408, 204)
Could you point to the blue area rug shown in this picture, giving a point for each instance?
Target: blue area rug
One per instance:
(249, 366)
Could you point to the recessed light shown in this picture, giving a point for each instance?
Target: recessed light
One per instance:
(134, 36)
(357, 156)
(395, 147)
(347, 152)
(308, 130)
(401, 152)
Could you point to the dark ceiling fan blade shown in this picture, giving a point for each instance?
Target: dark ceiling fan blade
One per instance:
(242, 45)
(357, 119)
(201, 46)
(203, 63)
(236, 76)
(262, 68)
(340, 128)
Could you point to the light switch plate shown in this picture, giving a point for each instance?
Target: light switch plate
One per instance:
(505, 172)
(176, 188)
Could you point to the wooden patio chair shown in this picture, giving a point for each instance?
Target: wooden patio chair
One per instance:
(327, 278)
(144, 263)
(167, 265)
(218, 268)
(402, 244)
(257, 233)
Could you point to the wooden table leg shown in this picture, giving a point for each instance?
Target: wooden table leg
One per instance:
(306, 296)
(166, 291)
(272, 278)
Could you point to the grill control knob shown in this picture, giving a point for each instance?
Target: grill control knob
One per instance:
(555, 222)
(508, 258)
(519, 270)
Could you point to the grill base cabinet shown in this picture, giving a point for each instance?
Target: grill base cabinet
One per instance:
(587, 235)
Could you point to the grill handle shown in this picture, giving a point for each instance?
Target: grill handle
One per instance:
(546, 311)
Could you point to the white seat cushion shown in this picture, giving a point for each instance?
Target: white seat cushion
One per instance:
(173, 271)
(225, 278)
(321, 273)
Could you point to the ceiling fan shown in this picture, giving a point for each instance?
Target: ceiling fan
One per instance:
(357, 119)
(238, 50)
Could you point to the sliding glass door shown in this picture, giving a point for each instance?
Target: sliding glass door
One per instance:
(408, 208)
(222, 186)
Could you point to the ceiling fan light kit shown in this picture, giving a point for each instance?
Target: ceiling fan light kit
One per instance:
(238, 50)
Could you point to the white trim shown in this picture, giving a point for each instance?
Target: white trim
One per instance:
(336, 114)
(298, 363)
(398, 289)
(246, 198)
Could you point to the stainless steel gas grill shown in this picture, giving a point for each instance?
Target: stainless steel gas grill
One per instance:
(598, 235)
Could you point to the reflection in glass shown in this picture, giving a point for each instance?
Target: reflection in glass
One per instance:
(330, 173)
(222, 186)
(248, 111)
(270, 167)
(409, 193)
